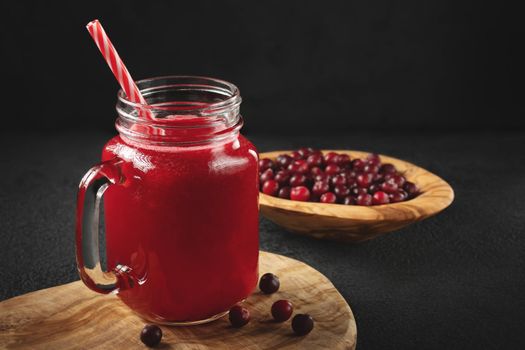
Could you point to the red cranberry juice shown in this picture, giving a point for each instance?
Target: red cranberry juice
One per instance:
(185, 220)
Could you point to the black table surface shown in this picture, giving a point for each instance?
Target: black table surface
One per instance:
(453, 281)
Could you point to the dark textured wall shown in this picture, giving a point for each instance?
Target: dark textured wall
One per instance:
(302, 64)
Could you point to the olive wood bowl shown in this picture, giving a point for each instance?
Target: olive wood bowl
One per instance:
(353, 223)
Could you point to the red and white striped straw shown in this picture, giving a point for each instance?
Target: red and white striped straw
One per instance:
(116, 64)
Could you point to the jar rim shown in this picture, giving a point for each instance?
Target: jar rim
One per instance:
(230, 90)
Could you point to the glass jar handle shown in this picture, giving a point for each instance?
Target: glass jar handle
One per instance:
(90, 191)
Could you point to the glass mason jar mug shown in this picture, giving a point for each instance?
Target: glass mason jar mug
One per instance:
(180, 202)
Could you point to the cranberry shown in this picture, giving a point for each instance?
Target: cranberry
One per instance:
(332, 169)
(328, 197)
(296, 155)
(151, 335)
(282, 177)
(365, 180)
(269, 283)
(322, 177)
(396, 178)
(339, 180)
(410, 188)
(302, 324)
(316, 171)
(314, 160)
(356, 191)
(270, 187)
(397, 196)
(284, 192)
(371, 168)
(343, 160)
(297, 180)
(380, 197)
(300, 193)
(358, 164)
(265, 163)
(350, 174)
(298, 166)
(351, 181)
(389, 187)
(373, 188)
(373, 158)
(239, 316)
(320, 187)
(387, 168)
(330, 158)
(284, 160)
(282, 310)
(305, 151)
(341, 191)
(349, 200)
(266, 175)
(379, 178)
(364, 199)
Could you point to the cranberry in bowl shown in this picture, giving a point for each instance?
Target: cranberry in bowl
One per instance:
(347, 195)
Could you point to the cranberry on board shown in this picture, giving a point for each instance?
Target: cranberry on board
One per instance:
(300, 193)
(239, 316)
(282, 310)
(151, 335)
(314, 171)
(302, 324)
(269, 283)
(270, 187)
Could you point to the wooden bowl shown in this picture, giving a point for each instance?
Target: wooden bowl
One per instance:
(352, 223)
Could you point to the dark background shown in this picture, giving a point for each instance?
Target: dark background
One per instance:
(438, 83)
(300, 64)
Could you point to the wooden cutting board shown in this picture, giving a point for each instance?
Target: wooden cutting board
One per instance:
(73, 317)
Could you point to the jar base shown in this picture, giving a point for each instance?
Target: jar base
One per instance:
(165, 322)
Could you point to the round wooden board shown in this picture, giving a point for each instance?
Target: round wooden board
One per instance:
(73, 317)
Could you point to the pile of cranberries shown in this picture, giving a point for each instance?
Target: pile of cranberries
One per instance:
(309, 175)
(281, 310)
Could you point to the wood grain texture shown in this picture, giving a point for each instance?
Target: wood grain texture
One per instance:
(73, 317)
(352, 223)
